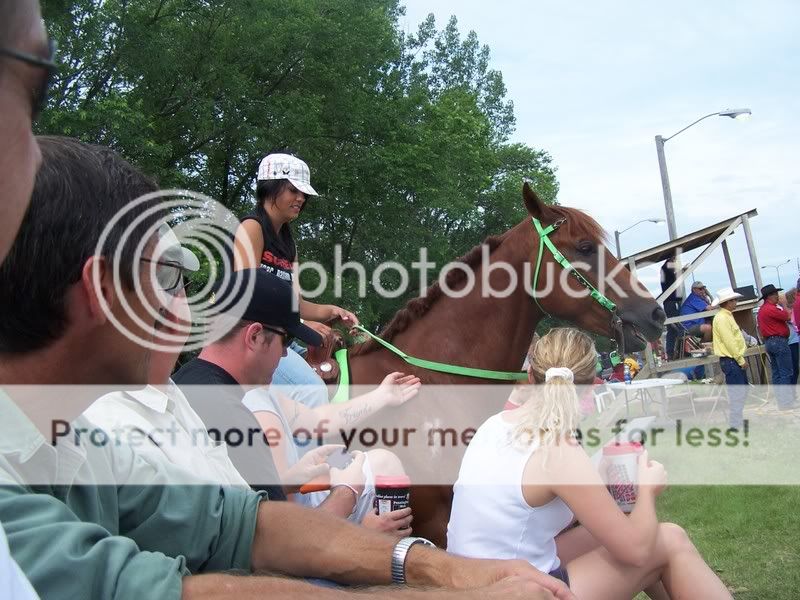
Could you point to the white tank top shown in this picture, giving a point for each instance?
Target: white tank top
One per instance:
(490, 517)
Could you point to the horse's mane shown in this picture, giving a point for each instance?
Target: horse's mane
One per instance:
(417, 307)
(578, 225)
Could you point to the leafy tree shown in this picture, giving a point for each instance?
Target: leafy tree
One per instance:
(407, 136)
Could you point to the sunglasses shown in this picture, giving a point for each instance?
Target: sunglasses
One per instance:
(286, 337)
(48, 64)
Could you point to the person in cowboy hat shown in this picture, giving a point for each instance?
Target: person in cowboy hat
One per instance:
(729, 346)
(773, 325)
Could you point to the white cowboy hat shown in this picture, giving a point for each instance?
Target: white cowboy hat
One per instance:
(724, 295)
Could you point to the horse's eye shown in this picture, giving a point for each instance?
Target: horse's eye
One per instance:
(585, 248)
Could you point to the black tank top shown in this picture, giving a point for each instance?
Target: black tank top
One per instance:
(279, 251)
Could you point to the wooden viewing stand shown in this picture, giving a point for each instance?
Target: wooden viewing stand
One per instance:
(710, 238)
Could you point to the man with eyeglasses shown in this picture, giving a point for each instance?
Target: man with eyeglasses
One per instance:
(158, 420)
(215, 381)
(23, 68)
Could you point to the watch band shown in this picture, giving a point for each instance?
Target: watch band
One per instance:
(399, 555)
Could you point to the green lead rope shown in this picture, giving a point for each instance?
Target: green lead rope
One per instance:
(343, 391)
(445, 368)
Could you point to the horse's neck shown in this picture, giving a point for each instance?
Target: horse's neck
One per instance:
(477, 330)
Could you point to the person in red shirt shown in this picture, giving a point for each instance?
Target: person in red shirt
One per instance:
(774, 329)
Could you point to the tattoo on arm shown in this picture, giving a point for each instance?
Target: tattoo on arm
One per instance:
(351, 415)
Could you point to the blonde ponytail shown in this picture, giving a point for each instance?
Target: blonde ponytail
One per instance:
(559, 360)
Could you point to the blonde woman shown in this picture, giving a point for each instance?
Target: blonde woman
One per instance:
(524, 480)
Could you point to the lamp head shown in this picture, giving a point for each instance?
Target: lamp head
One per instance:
(736, 113)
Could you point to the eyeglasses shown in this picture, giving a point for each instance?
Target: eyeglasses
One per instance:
(50, 66)
(286, 337)
(169, 276)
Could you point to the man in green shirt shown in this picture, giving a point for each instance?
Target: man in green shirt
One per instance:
(92, 520)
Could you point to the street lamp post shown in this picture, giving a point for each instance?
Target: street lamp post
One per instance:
(618, 233)
(778, 269)
(733, 113)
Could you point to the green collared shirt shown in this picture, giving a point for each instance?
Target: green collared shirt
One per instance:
(85, 520)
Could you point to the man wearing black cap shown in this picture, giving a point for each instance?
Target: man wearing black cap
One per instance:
(259, 334)
(774, 329)
(262, 325)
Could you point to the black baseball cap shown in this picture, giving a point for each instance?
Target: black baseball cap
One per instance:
(270, 301)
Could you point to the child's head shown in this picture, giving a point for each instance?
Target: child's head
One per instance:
(558, 361)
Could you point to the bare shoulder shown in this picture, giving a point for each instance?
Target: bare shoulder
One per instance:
(569, 459)
(252, 228)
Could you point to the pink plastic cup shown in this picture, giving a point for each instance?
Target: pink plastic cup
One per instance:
(623, 472)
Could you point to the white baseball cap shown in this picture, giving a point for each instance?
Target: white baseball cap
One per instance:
(169, 248)
(286, 166)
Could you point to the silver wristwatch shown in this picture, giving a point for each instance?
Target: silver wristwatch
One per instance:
(400, 553)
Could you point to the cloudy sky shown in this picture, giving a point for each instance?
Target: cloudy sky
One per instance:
(593, 82)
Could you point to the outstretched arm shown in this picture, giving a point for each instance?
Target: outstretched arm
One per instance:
(326, 421)
(326, 312)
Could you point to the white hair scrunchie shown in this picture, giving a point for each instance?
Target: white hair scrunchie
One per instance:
(562, 372)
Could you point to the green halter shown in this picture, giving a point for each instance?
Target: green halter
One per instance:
(544, 241)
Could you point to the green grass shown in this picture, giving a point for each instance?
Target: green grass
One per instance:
(750, 535)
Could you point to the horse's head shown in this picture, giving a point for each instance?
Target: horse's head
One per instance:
(636, 318)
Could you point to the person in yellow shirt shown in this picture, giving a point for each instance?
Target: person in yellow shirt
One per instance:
(729, 345)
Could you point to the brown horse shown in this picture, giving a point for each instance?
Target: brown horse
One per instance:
(499, 330)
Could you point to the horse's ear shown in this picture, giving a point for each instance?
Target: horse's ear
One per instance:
(532, 202)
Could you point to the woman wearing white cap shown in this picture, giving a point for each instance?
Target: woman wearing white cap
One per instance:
(265, 239)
